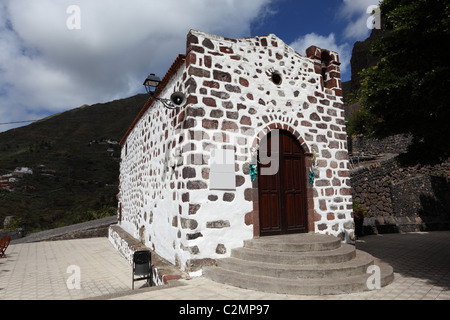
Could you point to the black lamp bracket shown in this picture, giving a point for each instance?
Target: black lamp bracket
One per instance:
(167, 103)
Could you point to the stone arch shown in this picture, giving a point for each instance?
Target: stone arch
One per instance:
(281, 126)
(251, 194)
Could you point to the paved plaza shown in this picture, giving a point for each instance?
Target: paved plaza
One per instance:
(93, 269)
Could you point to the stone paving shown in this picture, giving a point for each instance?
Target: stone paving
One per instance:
(421, 263)
(39, 270)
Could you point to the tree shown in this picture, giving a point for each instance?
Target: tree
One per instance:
(408, 90)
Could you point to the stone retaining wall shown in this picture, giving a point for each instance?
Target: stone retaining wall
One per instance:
(89, 229)
(360, 145)
(14, 234)
(425, 199)
(402, 198)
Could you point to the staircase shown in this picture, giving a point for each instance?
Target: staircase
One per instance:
(306, 264)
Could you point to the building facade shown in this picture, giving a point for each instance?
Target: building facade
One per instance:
(258, 149)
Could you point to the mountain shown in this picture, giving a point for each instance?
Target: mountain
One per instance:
(74, 157)
(361, 58)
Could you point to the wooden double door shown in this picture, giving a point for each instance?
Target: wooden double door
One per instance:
(281, 185)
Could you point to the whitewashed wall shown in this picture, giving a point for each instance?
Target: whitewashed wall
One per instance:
(165, 193)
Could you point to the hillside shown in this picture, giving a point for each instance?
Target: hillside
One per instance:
(74, 157)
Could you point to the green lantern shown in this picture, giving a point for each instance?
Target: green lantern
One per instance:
(311, 177)
(253, 171)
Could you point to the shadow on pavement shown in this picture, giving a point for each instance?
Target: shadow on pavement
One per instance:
(424, 255)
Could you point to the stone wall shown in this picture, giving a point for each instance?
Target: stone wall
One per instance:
(14, 234)
(151, 187)
(89, 229)
(425, 200)
(372, 187)
(402, 198)
(237, 91)
(360, 145)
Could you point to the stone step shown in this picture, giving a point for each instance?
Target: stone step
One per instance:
(344, 253)
(298, 264)
(318, 286)
(301, 242)
(355, 266)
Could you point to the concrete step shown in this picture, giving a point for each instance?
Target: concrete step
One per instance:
(344, 253)
(317, 286)
(298, 264)
(302, 242)
(358, 265)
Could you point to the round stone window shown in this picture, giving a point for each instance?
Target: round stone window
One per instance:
(276, 78)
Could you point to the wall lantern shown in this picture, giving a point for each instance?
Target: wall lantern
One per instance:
(176, 99)
(151, 82)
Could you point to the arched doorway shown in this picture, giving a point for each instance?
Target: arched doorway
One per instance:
(282, 192)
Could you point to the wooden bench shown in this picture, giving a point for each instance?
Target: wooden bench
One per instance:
(4, 243)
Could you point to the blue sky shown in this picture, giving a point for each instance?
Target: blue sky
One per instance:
(292, 19)
(53, 59)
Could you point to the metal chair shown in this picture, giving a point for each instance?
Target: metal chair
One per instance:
(142, 266)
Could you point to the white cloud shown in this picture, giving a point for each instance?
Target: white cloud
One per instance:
(351, 7)
(355, 13)
(47, 68)
(329, 43)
